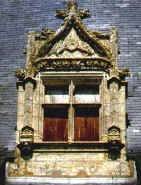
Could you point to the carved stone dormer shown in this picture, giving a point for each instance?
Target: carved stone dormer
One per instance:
(71, 115)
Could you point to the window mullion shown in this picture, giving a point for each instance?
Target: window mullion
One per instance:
(71, 113)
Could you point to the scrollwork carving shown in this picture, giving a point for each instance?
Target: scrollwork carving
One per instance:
(27, 134)
(113, 134)
(62, 64)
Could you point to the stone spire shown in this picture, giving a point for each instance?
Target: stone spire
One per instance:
(72, 11)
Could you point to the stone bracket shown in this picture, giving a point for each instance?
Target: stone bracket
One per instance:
(114, 149)
(26, 149)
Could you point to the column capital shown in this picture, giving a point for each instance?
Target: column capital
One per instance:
(31, 80)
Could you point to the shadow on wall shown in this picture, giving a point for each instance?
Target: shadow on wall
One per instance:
(138, 168)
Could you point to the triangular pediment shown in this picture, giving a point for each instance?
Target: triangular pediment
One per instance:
(73, 39)
(72, 46)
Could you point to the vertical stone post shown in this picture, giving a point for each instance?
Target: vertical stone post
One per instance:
(101, 110)
(114, 102)
(114, 45)
(29, 84)
(30, 49)
(104, 109)
(71, 114)
(38, 115)
(20, 109)
(122, 118)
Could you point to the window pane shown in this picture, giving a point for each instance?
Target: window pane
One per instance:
(86, 124)
(55, 124)
(87, 94)
(56, 94)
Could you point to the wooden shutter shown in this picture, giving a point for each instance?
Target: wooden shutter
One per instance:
(86, 124)
(55, 125)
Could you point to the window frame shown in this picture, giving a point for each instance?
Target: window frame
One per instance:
(71, 79)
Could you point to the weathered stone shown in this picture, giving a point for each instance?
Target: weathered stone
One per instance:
(79, 59)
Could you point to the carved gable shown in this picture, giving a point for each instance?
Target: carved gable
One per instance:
(94, 50)
(73, 36)
(72, 46)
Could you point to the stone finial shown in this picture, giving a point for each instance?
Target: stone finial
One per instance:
(72, 11)
(71, 4)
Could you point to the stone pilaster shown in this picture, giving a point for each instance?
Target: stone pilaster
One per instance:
(105, 109)
(29, 85)
(38, 101)
(20, 109)
(114, 102)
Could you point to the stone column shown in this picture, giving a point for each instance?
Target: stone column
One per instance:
(38, 115)
(29, 84)
(122, 118)
(20, 109)
(105, 110)
(114, 102)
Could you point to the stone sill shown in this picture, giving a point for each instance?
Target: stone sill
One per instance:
(71, 181)
(80, 146)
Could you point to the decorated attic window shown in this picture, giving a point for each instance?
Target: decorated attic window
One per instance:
(71, 110)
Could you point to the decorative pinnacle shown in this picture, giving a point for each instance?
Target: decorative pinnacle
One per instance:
(72, 10)
(72, 4)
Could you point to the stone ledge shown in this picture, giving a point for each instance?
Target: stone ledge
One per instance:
(71, 181)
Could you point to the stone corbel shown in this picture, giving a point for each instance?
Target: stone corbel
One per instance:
(26, 150)
(26, 142)
(114, 142)
(114, 148)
